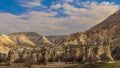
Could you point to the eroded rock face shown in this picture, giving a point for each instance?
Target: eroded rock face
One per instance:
(71, 53)
(29, 38)
(56, 39)
(100, 50)
(104, 51)
(22, 40)
(77, 48)
(12, 57)
(92, 49)
(6, 43)
(107, 31)
(5, 39)
(75, 39)
(4, 49)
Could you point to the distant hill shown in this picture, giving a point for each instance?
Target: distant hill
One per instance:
(107, 30)
(29, 38)
(57, 39)
(112, 23)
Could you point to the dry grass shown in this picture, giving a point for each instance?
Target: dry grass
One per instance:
(65, 65)
(50, 65)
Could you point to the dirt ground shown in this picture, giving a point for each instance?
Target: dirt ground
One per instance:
(65, 65)
(50, 65)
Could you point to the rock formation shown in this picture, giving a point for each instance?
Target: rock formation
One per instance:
(30, 38)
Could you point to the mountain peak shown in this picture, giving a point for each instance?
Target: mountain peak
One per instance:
(112, 20)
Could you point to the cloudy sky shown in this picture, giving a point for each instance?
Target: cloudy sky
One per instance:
(51, 17)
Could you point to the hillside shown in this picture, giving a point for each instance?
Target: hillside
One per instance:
(57, 39)
(31, 38)
(111, 21)
(107, 30)
(5, 40)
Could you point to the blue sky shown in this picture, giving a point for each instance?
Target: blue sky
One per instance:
(51, 17)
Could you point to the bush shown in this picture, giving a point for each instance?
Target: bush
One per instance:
(2, 60)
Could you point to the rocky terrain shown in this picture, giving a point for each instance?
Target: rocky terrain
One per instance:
(56, 39)
(108, 30)
(101, 43)
(29, 38)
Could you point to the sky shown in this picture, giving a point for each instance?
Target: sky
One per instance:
(53, 17)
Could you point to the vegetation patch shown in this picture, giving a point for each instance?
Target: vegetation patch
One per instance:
(102, 65)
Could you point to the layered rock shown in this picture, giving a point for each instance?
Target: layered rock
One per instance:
(5, 40)
(30, 38)
(56, 39)
(107, 30)
(75, 39)
(21, 40)
(6, 43)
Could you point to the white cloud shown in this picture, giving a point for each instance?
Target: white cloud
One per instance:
(30, 4)
(92, 14)
(35, 21)
(68, 1)
(56, 6)
(79, 19)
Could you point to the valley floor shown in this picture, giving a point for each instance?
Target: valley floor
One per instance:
(66, 65)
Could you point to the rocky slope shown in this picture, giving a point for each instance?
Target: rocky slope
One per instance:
(21, 39)
(29, 38)
(108, 30)
(6, 43)
(75, 39)
(101, 41)
(5, 40)
(57, 39)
